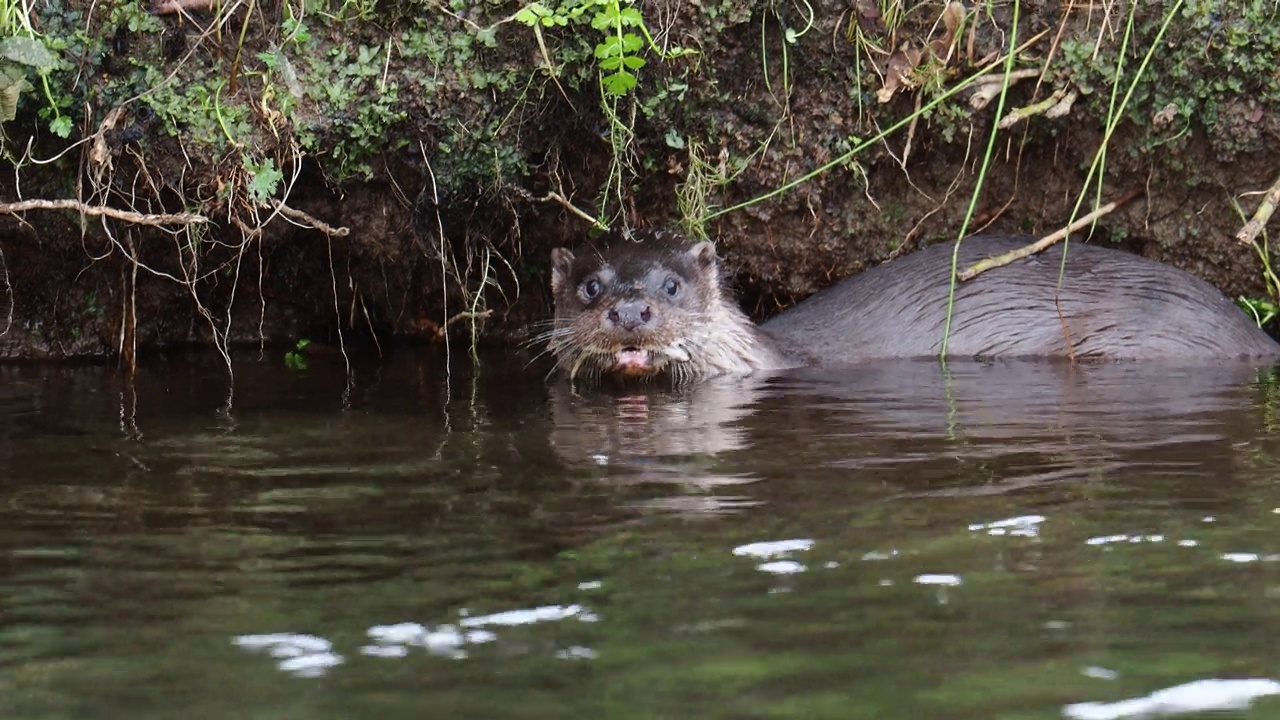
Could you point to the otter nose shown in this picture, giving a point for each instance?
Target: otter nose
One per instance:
(630, 314)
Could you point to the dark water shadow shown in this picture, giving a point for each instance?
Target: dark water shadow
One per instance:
(434, 527)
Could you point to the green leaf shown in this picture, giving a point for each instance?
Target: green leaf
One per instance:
(607, 18)
(632, 17)
(488, 36)
(61, 126)
(611, 47)
(265, 178)
(532, 13)
(295, 31)
(619, 83)
(632, 62)
(13, 82)
(28, 51)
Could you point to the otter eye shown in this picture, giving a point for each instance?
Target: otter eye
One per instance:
(671, 286)
(590, 288)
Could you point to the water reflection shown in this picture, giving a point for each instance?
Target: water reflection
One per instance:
(899, 540)
(1019, 425)
(968, 428)
(648, 436)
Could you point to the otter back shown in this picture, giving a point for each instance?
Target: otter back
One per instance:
(1110, 304)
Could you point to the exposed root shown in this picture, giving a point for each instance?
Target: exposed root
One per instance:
(170, 7)
(909, 239)
(129, 323)
(564, 202)
(464, 315)
(988, 87)
(129, 216)
(337, 309)
(299, 216)
(7, 288)
(1252, 229)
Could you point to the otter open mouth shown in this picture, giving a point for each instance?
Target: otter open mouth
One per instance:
(636, 360)
(633, 360)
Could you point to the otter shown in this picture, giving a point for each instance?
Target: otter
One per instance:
(653, 303)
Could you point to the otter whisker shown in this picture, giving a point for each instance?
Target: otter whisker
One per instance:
(549, 335)
(649, 311)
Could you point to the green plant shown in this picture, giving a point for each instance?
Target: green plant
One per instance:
(22, 48)
(1262, 310)
(617, 52)
(1212, 56)
(790, 36)
(264, 178)
(296, 359)
(624, 35)
(359, 106)
(1265, 309)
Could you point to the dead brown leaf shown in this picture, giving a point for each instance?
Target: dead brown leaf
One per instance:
(868, 14)
(953, 16)
(902, 63)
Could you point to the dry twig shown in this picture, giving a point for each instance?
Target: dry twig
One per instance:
(558, 198)
(996, 261)
(1253, 228)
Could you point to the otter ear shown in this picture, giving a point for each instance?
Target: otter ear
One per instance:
(561, 266)
(703, 255)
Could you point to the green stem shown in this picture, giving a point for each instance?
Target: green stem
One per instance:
(982, 174)
(860, 147)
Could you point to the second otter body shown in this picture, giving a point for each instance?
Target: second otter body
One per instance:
(616, 314)
(1109, 304)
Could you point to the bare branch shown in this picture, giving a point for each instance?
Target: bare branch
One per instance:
(1253, 228)
(991, 263)
(102, 211)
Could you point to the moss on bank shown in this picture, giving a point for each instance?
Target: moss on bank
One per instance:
(455, 142)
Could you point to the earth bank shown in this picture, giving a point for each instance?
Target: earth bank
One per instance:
(351, 171)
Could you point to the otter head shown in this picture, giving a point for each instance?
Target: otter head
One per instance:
(634, 306)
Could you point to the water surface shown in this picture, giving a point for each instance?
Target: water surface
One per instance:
(893, 541)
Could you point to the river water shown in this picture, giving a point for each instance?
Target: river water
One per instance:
(1001, 540)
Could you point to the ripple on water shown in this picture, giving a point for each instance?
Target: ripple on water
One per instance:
(900, 541)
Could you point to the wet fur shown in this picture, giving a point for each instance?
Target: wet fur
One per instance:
(1113, 304)
(706, 324)
(1110, 304)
